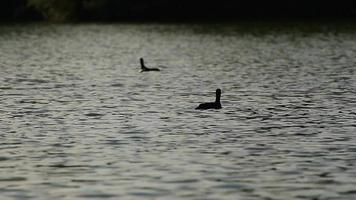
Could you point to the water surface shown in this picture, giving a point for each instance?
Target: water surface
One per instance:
(79, 121)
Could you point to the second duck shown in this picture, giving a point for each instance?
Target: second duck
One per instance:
(146, 69)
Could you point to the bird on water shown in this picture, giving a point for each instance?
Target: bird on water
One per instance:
(211, 105)
(146, 69)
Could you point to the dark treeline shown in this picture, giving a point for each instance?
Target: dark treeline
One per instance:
(114, 10)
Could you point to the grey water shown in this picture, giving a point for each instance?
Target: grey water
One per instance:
(79, 121)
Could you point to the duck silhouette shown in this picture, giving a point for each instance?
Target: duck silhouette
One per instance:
(211, 105)
(146, 69)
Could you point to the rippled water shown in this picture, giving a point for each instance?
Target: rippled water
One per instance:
(79, 121)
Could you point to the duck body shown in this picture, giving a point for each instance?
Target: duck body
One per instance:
(146, 69)
(211, 105)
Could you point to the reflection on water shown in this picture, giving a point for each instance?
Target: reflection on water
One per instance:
(79, 121)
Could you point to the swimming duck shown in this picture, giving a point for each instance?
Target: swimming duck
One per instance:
(146, 69)
(211, 105)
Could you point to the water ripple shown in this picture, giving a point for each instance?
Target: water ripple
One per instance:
(79, 121)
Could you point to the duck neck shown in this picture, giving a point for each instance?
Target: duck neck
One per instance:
(142, 63)
(217, 100)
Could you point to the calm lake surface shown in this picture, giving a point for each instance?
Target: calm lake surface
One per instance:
(79, 121)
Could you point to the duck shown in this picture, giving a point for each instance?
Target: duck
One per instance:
(211, 105)
(146, 69)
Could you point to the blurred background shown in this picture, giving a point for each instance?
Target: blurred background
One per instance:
(181, 10)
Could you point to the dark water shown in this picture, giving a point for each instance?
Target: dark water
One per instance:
(79, 121)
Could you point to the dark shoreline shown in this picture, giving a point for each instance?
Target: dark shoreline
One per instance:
(174, 10)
